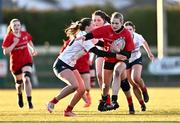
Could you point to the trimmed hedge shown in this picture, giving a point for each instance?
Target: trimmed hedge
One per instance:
(145, 22)
(49, 26)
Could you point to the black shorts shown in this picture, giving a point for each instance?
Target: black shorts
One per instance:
(110, 65)
(84, 72)
(20, 70)
(137, 61)
(59, 66)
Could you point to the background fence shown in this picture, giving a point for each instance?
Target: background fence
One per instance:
(46, 78)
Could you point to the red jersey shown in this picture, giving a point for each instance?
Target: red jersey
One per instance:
(20, 55)
(65, 45)
(82, 64)
(109, 36)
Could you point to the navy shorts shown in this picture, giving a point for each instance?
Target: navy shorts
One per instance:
(137, 61)
(59, 66)
(110, 66)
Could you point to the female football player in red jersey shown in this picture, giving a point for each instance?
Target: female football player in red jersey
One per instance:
(111, 33)
(134, 67)
(64, 66)
(100, 18)
(16, 44)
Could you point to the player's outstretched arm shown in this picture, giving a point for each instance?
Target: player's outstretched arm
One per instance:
(102, 53)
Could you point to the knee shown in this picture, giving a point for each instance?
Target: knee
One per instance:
(125, 85)
(106, 85)
(81, 90)
(18, 86)
(27, 75)
(74, 87)
(117, 73)
(19, 82)
(137, 79)
(99, 76)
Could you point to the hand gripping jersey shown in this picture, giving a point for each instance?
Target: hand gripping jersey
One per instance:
(20, 55)
(109, 36)
(138, 41)
(75, 50)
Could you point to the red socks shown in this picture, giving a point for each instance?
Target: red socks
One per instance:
(129, 99)
(69, 108)
(108, 101)
(54, 100)
(141, 102)
(144, 89)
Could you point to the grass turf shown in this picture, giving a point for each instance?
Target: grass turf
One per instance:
(164, 106)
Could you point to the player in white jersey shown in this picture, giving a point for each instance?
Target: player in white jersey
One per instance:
(134, 68)
(64, 66)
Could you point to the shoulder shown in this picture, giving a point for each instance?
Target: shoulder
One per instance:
(9, 35)
(25, 33)
(126, 32)
(137, 35)
(81, 33)
(106, 26)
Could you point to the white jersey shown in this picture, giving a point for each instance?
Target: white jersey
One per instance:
(138, 41)
(75, 50)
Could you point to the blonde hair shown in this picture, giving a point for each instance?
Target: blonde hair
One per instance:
(118, 16)
(129, 23)
(76, 26)
(72, 29)
(11, 22)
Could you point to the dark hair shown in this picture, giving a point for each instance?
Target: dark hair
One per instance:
(78, 25)
(129, 23)
(103, 15)
(84, 22)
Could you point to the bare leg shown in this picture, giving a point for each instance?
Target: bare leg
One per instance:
(18, 85)
(107, 77)
(86, 97)
(116, 83)
(72, 85)
(80, 91)
(99, 67)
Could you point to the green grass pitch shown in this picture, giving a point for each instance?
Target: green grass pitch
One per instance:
(164, 106)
